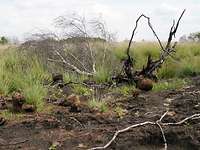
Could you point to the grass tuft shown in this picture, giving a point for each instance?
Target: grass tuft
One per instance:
(98, 104)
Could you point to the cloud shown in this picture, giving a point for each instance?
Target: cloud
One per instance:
(21, 16)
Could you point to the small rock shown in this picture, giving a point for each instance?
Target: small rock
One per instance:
(28, 108)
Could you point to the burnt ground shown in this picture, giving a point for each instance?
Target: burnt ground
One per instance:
(65, 130)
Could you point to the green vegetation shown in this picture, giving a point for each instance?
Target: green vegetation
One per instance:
(186, 61)
(124, 90)
(102, 75)
(53, 147)
(10, 115)
(81, 89)
(120, 111)
(169, 85)
(20, 71)
(17, 73)
(98, 105)
(3, 40)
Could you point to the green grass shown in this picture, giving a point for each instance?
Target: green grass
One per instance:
(186, 63)
(124, 89)
(169, 85)
(98, 104)
(120, 112)
(10, 115)
(17, 73)
(103, 75)
(81, 89)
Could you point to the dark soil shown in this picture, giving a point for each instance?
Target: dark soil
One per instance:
(84, 129)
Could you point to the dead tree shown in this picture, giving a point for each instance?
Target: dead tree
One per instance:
(81, 34)
(152, 65)
(79, 45)
(166, 52)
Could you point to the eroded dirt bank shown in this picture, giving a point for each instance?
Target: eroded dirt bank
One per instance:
(82, 130)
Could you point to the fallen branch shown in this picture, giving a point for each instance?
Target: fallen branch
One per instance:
(158, 123)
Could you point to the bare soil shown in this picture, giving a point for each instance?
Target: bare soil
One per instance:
(85, 129)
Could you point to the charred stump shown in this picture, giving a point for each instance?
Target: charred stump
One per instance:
(17, 102)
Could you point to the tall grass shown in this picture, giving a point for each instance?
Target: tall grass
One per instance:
(25, 74)
(169, 85)
(186, 62)
(19, 72)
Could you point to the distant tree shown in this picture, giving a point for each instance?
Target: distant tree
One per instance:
(192, 37)
(195, 37)
(80, 44)
(84, 32)
(3, 40)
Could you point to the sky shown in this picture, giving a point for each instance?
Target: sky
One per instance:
(19, 18)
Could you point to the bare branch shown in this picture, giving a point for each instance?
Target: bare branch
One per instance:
(72, 66)
(121, 131)
(163, 134)
(158, 123)
(133, 33)
(79, 27)
(153, 65)
(195, 116)
(173, 31)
